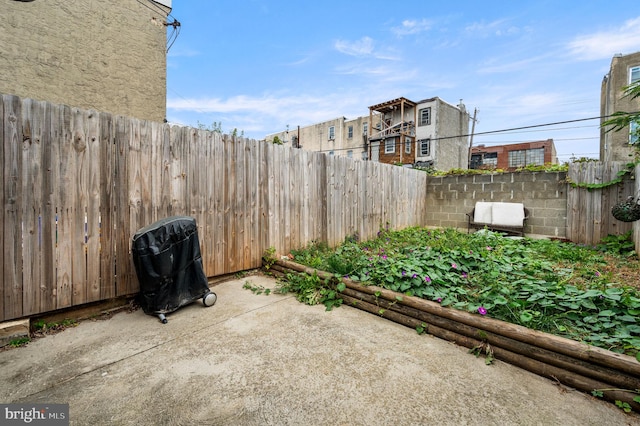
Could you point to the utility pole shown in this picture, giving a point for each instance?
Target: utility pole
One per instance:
(473, 129)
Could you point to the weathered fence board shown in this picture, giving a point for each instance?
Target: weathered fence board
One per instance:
(107, 217)
(31, 189)
(589, 217)
(12, 232)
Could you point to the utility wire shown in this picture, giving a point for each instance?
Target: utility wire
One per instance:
(401, 143)
(165, 16)
(533, 126)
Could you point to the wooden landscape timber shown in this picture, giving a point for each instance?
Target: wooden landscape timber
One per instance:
(578, 365)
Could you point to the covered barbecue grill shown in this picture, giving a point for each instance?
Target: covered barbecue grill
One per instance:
(168, 263)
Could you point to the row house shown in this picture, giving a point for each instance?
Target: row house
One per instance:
(429, 133)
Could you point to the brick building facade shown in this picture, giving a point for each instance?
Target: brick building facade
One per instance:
(513, 156)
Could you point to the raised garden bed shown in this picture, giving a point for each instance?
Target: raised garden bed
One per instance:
(614, 377)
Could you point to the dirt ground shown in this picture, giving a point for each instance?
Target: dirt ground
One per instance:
(270, 360)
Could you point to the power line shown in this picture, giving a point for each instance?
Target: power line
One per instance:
(550, 130)
(512, 129)
(534, 126)
(155, 8)
(537, 140)
(400, 143)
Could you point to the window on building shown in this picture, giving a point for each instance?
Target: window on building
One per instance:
(390, 146)
(535, 156)
(365, 156)
(476, 161)
(490, 159)
(523, 157)
(634, 74)
(425, 147)
(517, 158)
(365, 129)
(424, 117)
(634, 133)
(331, 152)
(350, 132)
(332, 133)
(407, 145)
(350, 154)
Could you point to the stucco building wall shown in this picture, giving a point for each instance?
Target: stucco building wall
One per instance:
(614, 146)
(104, 55)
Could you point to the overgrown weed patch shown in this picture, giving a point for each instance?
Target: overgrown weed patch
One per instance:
(582, 293)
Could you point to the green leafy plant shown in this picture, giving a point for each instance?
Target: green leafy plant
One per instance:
(544, 168)
(620, 176)
(422, 328)
(269, 257)
(314, 255)
(622, 245)
(256, 289)
(621, 119)
(312, 290)
(625, 406)
(39, 324)
(22, 341)
(483, 348)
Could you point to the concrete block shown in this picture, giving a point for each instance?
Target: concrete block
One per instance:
(556, 203)
(483, 178)
(555, 222)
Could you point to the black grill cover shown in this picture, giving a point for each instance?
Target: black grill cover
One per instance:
(168, 263)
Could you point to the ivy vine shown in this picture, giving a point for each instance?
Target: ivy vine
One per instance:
(628, 170)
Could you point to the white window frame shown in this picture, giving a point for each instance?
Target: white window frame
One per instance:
(365, 129)
(390, 146)
(632, 71)
(423, 143)
(350, 153)
(518, 158)
(407, 145)
(533, 155)
(421, 121)
(634, 139)
(350, 132)
(332, 133)
(490, 159)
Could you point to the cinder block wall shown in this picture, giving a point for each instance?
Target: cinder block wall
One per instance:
(449, 198)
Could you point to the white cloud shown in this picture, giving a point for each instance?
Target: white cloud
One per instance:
(412, 26)
(259, 116)
(484, 29)
(605, 44)
(524, 64)
(362, 47)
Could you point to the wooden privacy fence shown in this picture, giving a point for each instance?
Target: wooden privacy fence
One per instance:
(76, 185)
(589, 217)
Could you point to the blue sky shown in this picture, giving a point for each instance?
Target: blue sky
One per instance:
(260, 65)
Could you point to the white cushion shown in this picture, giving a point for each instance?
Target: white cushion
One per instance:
(482, 212)
(508, 214)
